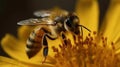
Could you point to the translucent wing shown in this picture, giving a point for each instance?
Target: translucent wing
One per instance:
(33, 21)
(42, 13)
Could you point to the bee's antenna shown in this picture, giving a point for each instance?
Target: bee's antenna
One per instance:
(84, 27)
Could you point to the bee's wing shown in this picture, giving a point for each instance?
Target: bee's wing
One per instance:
(30, 21)
(33, 21)
(42, 13)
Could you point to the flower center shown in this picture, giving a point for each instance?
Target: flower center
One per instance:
(93, 51)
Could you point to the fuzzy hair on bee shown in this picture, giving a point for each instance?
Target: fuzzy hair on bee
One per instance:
(50, 24)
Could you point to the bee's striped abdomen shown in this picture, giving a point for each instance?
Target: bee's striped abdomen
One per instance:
(34, 42)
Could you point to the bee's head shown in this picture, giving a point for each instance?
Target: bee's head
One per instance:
(71, 23)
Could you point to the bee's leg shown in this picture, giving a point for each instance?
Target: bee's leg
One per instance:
(45, 44)
(49, 35)
(64, 38)
(63, 35)
(45, 49)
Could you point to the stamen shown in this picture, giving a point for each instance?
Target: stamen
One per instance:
(87, 53)
(54, 49)
(112, 44)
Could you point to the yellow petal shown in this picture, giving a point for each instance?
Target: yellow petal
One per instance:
(111, 23)
(24, 31)
(13, 47)
(88, 12)
(7, 62)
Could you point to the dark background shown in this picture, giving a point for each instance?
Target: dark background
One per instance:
(12, 11)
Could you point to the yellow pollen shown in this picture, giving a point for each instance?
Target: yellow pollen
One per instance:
(87, 53)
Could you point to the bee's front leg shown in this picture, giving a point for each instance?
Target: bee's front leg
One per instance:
(63, 38)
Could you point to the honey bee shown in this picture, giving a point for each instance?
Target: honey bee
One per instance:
(50, 24)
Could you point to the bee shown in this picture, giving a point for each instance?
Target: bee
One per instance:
(50, 24)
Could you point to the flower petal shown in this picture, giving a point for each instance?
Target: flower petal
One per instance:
(7, 62)
(88, 12)
(13, 47)
(111, 23)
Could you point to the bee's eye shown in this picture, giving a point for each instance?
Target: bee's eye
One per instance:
(69, 22)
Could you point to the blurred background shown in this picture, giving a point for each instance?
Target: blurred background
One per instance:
(12, 11)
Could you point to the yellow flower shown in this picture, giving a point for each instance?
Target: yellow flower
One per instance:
(93, 50)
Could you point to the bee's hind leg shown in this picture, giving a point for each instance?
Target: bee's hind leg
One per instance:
(45, 44)
(45, 49)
